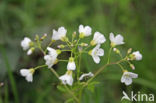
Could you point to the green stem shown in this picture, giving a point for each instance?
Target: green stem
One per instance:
(39, 46)
(65, 50)
(101, 69)
(78, 69)
(41, 66)
(121, 67)
(63, 60)
(110, 50)
(55, 73)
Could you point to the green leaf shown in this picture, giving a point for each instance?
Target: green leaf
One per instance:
(69, 100)
(61, 88)
(91, 86)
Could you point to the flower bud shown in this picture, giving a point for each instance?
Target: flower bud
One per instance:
(36, 37)
(58, 51)
(129, 51)
(61, 46)
(93, 43)
(116, 50)
(84, 44)
(74, 34)
(81, 35)
(43, 37)
(132, 66)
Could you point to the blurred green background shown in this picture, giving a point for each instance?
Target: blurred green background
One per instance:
(134, 19)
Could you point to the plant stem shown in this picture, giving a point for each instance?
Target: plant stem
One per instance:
(41, 66)
(110, 50)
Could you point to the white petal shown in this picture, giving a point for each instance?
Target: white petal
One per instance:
(99, 38)
(133, 75)
(96, 59)
(66, 79)
(90, 74)
(25, 43)
(81, 29)
(138, 55)
(24, 72)
(119, 39)
(123, 78)
(128, 81)
(100, 52)
(29, 78)
(71, 66)
(111, 37)
(29, 52)
(88, 30)
(49, 60)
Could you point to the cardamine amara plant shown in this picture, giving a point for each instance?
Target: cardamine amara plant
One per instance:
(74, 81)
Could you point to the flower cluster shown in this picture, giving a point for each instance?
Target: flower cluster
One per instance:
(77, 47)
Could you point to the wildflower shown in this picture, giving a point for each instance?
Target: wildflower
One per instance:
(84, 31)
(51, 58)
(25, 43)
(98, 39)
(90, 74)
(96, 52)
(67, 78)
(28, 74)
(127, 77)
(71, 64)
(117, 40)
(137, 55)
(60, 34)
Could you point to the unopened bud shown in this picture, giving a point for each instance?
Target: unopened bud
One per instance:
(74, 34)
(129, 51)
(116, 50)
(84, 44)
(36, 37)
(58, 51)
(60, 46)
(43, 37)
(132, 66)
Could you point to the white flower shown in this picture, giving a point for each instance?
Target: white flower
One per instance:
(90, 74)
(25, 43)
(96, 52)
(51, 58)
(117, 40)
(50, 61)
(127, 77)
(137, 55)
(60, 34)
(98, 39)
(28, 74)
(67, 78)
(71, 64)
(84, 31)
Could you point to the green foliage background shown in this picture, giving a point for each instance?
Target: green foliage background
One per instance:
(134, 19)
